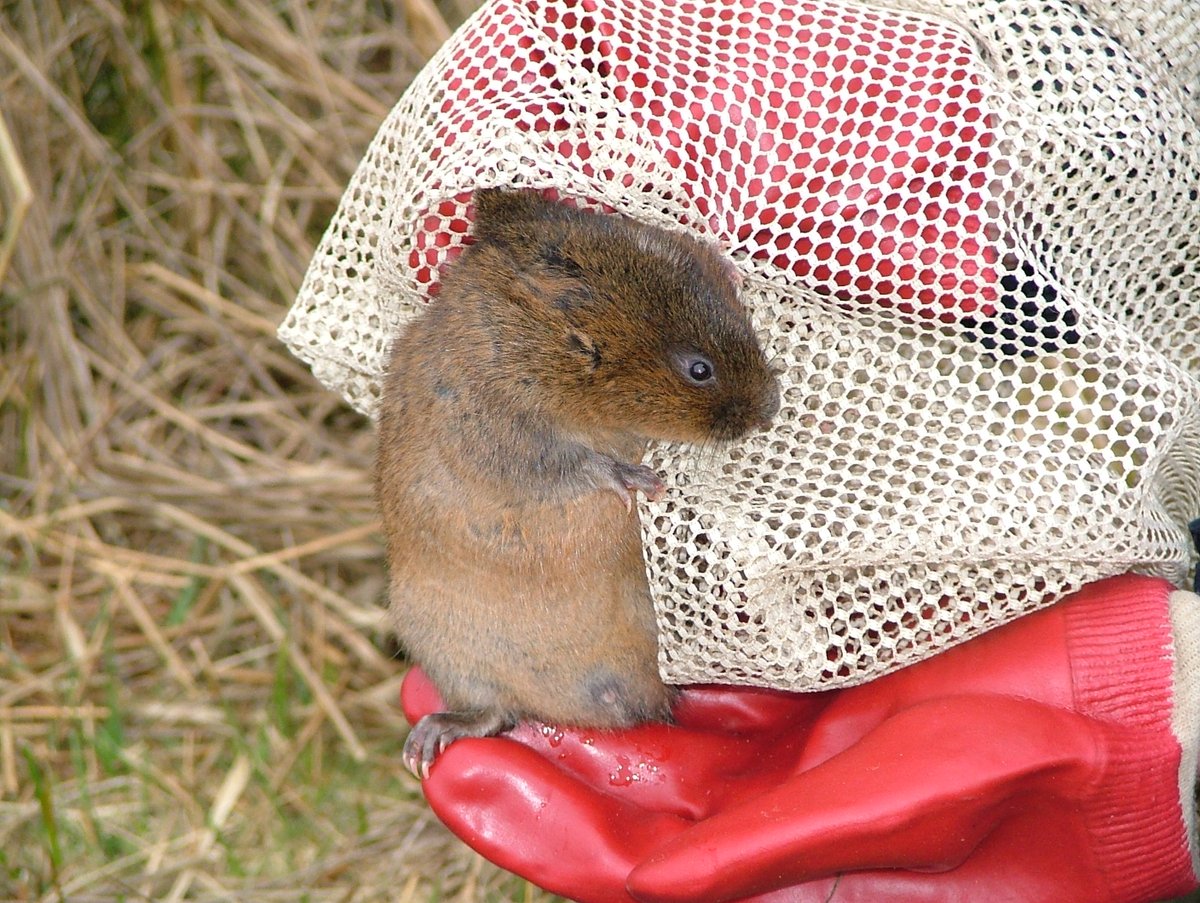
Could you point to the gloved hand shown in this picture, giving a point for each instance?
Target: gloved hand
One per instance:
(1050, 760)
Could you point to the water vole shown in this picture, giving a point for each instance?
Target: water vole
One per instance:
(515, 412)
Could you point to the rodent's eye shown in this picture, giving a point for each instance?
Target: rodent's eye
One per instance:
(699, 370)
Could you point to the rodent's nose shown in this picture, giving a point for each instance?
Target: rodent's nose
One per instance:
(770, 405)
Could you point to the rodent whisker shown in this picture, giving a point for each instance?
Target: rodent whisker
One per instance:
(708, 452)
(776, 365)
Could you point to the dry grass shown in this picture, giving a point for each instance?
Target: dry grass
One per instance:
(197, 701)
(196, 698)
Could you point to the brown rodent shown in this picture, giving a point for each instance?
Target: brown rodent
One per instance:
(515, 411)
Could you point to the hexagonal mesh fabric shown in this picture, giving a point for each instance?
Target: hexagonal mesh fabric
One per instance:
(970, 235)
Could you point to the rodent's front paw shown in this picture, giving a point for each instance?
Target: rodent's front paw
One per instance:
(621, 479)
(639, 477)
(630, 478)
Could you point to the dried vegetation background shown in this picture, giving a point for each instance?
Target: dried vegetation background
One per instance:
(197, 701)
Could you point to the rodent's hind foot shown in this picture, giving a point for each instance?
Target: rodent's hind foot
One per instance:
(432, 734)
(625, 479)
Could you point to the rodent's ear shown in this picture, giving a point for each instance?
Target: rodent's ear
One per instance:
(729, 268)
(498, 207)
(581, 343)
(560, 262)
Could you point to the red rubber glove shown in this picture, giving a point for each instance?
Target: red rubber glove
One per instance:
(1039, 762)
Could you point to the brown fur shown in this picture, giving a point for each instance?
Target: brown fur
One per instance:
(515, 410)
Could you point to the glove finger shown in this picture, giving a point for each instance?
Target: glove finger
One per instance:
(521, 812)
(664, 768)
(919, 792)
(418, 696)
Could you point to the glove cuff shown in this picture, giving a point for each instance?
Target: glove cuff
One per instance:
(1119, 640)
(1119, 637)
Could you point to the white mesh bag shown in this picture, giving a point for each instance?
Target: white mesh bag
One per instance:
(970, 234)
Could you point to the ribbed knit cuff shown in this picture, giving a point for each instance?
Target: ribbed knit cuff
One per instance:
(1120, 643)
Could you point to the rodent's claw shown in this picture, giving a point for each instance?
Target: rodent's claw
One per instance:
(422, 747)
(618, 489)
(431, 735)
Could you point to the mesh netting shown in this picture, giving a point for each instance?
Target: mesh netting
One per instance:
(970, 233)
